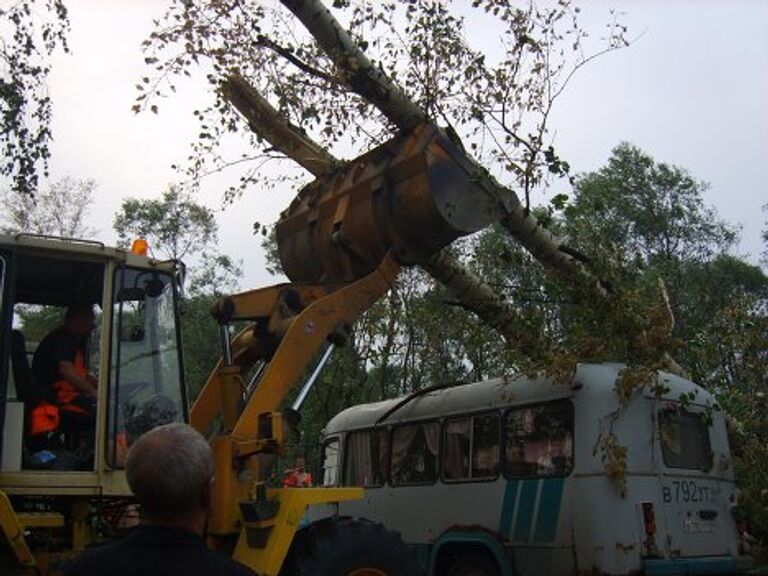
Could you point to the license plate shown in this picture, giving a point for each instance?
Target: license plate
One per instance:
(691, 526)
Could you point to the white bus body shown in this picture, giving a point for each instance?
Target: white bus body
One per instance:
(507, 477)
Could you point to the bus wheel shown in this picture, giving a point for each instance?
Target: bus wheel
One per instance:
(348, 547)
(474, 565)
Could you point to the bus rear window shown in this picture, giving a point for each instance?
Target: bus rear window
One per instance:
(414, 453)
(540, 440)
(366, 458)
(684, 439)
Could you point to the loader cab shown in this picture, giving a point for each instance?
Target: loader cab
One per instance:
(134, 353)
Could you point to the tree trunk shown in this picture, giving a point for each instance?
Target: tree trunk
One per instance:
(477, 296)
(357, 71)
(265, 121)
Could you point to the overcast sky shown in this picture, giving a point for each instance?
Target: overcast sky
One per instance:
(692, 90)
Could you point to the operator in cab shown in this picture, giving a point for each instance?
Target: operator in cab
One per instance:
(170, 472)
(59, 367)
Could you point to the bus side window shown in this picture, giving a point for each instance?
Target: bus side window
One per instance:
(414, 453)
(485, 446)
(540, 440)
(366, 458)
(471, 448)
(456, 440)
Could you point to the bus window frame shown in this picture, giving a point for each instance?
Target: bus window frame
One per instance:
(438, 420)
(505, 464)
(347, 433)
(502, 436)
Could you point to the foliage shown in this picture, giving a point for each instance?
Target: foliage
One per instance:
(176, 226)
(614, 458)
(32, 31)
(61, 210)
(173, 225)
(731, 352)
(497, 102)
(36, 321)
(653, 211)
(200, 338)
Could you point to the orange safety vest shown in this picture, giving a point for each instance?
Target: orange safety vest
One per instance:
(45, 416)
(296, 479)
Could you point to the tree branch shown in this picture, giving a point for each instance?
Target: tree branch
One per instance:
(262, 40)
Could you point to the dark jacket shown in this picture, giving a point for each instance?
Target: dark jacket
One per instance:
(155, 551)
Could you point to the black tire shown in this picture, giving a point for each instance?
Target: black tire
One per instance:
(474, 565)
(348, 547)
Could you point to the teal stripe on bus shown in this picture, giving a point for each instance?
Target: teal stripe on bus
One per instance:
(549, 510)
(525, 511)
(508, 507)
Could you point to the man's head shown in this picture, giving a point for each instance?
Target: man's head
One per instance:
(169, 470)
(301, 463)
(80, 319)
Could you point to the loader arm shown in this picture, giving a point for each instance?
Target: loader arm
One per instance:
(290, 323)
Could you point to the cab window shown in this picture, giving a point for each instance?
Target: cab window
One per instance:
(146, 377)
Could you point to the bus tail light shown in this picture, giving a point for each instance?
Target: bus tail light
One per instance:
(649, 522)
(741, 528)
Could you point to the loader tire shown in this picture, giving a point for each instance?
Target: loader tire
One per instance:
(348, 547)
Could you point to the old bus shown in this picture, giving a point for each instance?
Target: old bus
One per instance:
(507, 477)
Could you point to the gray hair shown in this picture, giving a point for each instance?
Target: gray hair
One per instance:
(168, 469)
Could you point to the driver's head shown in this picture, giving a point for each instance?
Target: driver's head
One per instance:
(169, 470)
(80, 319)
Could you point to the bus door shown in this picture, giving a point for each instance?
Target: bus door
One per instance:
(697, 488)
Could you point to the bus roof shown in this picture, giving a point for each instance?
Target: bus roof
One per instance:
(590, 379)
